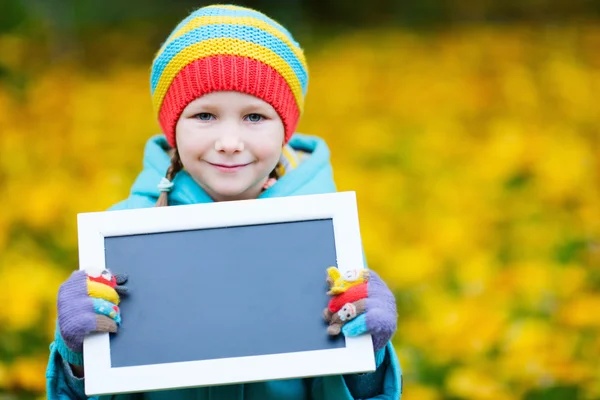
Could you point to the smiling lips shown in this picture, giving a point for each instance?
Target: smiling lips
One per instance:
(229, 167)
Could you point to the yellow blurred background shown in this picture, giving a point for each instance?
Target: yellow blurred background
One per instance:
(475, 153)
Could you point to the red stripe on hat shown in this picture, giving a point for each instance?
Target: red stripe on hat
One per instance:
(228, 73)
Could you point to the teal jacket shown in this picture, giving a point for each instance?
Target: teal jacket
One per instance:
(313, 176)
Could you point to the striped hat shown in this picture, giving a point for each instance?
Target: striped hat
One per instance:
(228, 48)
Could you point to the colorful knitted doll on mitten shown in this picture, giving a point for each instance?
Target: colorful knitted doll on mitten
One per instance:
(340, 282)
(87, 304)
(374, 310)
(105, 291)
(351, 295)
(346, 313)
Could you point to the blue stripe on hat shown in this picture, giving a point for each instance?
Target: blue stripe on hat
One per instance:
(225, 12)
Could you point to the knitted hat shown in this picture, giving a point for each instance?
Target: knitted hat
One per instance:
(228, 48)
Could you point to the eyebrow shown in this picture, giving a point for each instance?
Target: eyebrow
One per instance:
(204, 105)
(254, 106)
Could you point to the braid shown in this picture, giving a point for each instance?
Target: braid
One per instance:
(275, 174)
(174, 168)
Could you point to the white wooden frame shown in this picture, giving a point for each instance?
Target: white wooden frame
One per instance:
(101, 378)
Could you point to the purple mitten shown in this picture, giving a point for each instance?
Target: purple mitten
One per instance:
(380, 317)
(88, 304)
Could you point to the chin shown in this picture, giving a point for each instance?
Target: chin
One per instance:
(231, 192)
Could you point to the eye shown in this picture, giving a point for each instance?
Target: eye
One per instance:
(204, 116)
(107, 275)
(254, 117)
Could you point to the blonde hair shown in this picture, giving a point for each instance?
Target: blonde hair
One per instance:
(174, 168)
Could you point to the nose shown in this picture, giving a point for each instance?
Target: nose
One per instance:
(229, 143)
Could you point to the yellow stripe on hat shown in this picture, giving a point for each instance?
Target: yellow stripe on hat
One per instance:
(102, 291)
(246, 21)
(226, 46)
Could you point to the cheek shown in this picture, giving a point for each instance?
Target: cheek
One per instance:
(269, 154)
(268, 146)
(183, 132)
(274, 150)
(190, 142)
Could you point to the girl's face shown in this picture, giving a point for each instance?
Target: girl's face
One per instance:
(229, 142)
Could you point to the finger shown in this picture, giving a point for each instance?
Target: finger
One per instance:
(121, 278)
(108, 309)
(105, 324)
(356, 327)
(102, 291)
(121, 290)
(334, 329)
(329, 281)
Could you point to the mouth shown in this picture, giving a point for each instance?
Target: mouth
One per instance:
(228, 167)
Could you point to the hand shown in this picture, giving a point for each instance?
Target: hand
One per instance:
(89, 304)
(362, 305)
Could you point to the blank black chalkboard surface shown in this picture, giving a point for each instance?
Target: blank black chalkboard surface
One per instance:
(222, 293)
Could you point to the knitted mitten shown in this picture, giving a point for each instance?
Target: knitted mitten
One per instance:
(87, 304)
(380, 316)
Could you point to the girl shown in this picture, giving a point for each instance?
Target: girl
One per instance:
(228, 87)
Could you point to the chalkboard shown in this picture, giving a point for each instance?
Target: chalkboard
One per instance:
(222, 293)
(208, 301)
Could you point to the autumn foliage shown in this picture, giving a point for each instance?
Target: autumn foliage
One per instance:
(475, 154)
